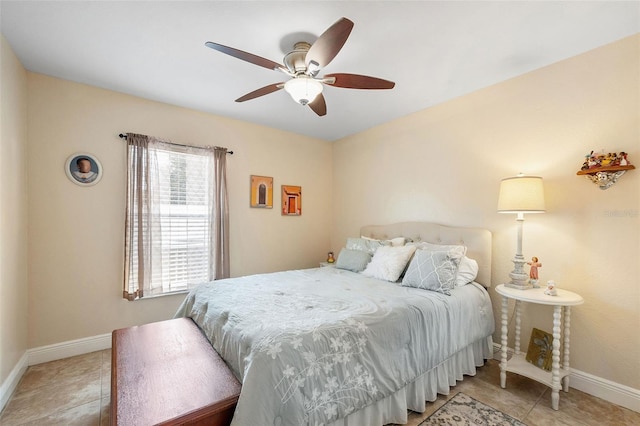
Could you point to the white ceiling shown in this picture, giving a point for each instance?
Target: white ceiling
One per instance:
(433, 50)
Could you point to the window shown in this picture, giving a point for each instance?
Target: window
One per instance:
(172, 232)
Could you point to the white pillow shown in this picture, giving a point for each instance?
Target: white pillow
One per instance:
(467, 271)
(388, 262)
(432, 270)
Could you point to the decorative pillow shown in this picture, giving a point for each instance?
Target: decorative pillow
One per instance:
(432, 270)
(467, 271)
(395, 242)
(388, 262)
(362, 244)
(353, 260)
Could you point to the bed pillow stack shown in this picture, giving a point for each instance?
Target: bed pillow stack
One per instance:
(358, 252)
(435, 267)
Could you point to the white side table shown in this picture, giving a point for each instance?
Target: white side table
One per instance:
(517, 364)
(327, 265)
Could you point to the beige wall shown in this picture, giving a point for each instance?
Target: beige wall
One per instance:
(76, 233)
(13, 210)
(444, 164)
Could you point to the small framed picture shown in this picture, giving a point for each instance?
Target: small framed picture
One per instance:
(83, 169)
(291, 200)
(540, 349)
(261, 192)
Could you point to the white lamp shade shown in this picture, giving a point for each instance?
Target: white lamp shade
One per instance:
(521, 194)
(303, 89)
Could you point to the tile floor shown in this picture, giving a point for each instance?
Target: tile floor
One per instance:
(75, 391)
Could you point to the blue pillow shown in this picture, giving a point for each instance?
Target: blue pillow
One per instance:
(432, 270)
(353, 260)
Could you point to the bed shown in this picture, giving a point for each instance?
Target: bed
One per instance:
(330, 346)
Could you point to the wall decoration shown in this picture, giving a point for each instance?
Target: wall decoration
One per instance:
(605, 169)
(83, 169)
(291, 200)
(540, 349)
(261, 192)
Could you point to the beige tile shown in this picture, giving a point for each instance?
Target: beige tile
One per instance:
(83, 415)
(60, 371)
(41, 401)
(105, 412)
(105, 374)
(579, 408)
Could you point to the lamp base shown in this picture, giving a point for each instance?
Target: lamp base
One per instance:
(519, 278)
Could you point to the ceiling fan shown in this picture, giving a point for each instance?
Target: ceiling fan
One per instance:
(303, 64)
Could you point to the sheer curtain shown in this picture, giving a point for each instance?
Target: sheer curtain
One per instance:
(177, 220)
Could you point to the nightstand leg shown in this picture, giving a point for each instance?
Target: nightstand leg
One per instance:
(555, 366)
(505, 323)
(567, 333)
(518, 322)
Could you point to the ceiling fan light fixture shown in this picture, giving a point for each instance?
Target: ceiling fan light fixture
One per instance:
(303, 89)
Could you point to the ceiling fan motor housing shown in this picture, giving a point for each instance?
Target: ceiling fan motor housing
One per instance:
(294, 60)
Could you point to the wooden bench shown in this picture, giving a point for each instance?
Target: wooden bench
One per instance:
(167, 373)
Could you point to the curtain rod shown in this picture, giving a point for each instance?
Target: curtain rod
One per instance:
(124, 136)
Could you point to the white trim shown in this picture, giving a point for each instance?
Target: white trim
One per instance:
(10, 384)
(607, 390)
(616, 393)
(69, 348)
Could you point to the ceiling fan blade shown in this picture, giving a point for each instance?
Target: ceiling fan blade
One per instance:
(356, 81)
(327, 46)
(249, 57)
(319, 106)
(261, 92)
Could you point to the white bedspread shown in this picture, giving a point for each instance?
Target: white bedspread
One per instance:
(312, 346)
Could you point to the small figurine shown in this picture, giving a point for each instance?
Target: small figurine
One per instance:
(606, 161)
(330, 258)
(585, 165)
(623, 159)
(533, 272)
(551, 288)
(615, 160)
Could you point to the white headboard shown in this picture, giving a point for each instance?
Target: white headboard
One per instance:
(477, 240)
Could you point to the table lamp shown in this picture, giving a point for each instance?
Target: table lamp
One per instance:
(520, 194)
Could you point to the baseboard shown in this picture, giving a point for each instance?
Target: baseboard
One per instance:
(615, 393)
(68, 349)
(10, 384)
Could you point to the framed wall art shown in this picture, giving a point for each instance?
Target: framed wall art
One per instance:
(261, 192)
(83, 169)
(291, 200)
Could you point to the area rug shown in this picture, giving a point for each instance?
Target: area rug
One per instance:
(464, 410)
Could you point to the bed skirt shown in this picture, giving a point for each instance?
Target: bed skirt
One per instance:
(438, 380)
